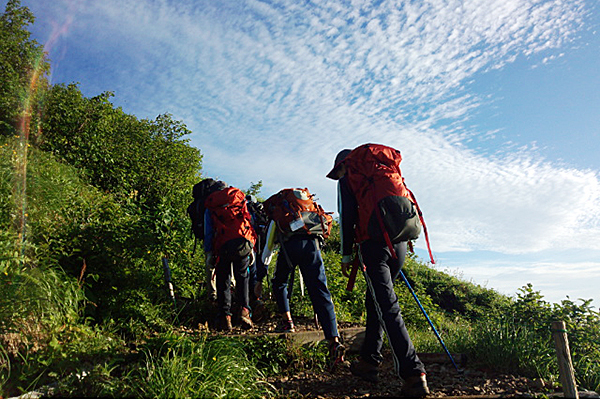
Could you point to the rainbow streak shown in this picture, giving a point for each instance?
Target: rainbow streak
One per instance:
(37, 82)
(23, 127)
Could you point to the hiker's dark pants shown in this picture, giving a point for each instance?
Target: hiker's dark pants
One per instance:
(383, 310)
(240, 272)
(305, 253)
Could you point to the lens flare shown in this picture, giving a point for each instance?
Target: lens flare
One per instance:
(30, 106)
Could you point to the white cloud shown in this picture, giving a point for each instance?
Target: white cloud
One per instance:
(273, 90)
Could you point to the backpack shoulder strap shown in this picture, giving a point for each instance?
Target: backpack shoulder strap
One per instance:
(414, 200)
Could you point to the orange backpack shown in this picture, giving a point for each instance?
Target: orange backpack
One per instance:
(295, 212)
(388, 209)
(234, 235)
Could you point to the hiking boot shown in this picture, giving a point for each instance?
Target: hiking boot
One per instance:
(336, 354)
(415, 387)
(260, 311)
(365, 371)
(286, 327)
(224, 323)
(245, 319)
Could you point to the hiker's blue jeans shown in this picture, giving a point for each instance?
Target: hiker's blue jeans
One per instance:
(305, 253)
(223, 271)
(383, 310)
(258, 271)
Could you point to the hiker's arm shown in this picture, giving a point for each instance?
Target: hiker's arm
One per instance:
(348, 210)
(208, 232)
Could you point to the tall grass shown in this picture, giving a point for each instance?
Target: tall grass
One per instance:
(4, 368)
(513, 347)
(520, 341)
(36, 304)
(41, 294)
(44, 295)
(204, 369)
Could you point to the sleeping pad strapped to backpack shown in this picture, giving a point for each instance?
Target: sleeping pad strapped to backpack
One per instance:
(234, 235)
(295, 212)
(388, 209)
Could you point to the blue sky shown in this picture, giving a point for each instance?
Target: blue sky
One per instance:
(494, 104)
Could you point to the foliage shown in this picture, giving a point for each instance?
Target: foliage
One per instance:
(182, 368)
(37, 296)
(23, 69)
(60, 355)
(73, 225)
(278, 356)
(147, 167)
(136, 160)
(349, 305)
(255, 189)
(332, 244)
(512, 347)
(28, 292)
(144, 171)
(270, 354)
(520, 340)
(8, 208)
(94, 199)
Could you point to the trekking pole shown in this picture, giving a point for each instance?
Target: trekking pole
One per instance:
(429, 320)
(390, 246)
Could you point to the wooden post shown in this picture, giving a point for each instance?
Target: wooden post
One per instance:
(565, 366)
(168, 282)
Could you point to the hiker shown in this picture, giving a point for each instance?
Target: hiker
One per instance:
(196, 211)
(369, 181)
(230, 238)
(258, 270)
(298, 226)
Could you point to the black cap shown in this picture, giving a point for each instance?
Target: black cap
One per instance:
(335, 171)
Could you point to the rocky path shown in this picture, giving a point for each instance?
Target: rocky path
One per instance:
(443, 379)
(444, 382)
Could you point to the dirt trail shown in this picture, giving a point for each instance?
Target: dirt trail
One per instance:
(443, 379)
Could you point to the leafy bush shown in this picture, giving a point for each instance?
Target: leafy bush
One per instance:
(278, 355)
(23, 69)
(521, 339)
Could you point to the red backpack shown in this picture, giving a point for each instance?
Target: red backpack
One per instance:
(234, 235)
(388, 209)
(295, 212)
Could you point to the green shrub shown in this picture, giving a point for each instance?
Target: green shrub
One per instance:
(278, 355)
(520, 340)
(270, 354)
(36, 306)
